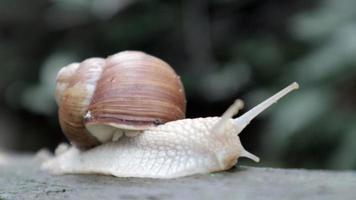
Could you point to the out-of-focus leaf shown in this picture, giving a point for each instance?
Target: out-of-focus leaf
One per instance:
(221, 84)
(292, 115)
(341, 158)
(330, 61)
(322, 22)
(40, 98)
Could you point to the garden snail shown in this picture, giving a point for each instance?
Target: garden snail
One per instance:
(177, 148)
(101, 99)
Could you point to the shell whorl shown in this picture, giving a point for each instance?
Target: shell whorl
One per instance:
(100, 99)
(137, 91)
(75, 88)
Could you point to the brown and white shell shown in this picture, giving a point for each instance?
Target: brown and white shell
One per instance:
(101, 99)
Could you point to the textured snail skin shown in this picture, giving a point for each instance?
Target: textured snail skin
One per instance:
(175, 149)
(159, 152)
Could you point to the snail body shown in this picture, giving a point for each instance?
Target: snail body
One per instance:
(174, 149)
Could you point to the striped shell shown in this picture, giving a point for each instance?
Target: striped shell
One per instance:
(102, 99)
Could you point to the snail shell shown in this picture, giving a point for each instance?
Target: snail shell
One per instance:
(101, 99)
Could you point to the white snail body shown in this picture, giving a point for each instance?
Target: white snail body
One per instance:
(175, 149)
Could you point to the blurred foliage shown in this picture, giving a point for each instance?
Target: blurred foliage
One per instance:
(222, 49)
(319, 131)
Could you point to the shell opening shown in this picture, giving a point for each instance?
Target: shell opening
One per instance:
(103, 133)
(117, 135)
(107, 133)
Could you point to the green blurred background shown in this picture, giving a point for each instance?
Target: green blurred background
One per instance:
(223, 49)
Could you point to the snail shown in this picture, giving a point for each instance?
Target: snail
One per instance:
(100, 100)
(172, 149)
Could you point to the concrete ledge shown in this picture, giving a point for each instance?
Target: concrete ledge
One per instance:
(20, 178)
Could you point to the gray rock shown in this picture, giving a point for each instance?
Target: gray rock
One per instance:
(21, 178)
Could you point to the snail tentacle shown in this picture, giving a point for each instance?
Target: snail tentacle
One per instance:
(246, 118)
(228, 114)
(246, 154)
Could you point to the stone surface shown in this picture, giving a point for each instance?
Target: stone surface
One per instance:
(20, 178)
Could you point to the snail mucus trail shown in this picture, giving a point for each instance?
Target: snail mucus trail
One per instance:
(174, 149)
